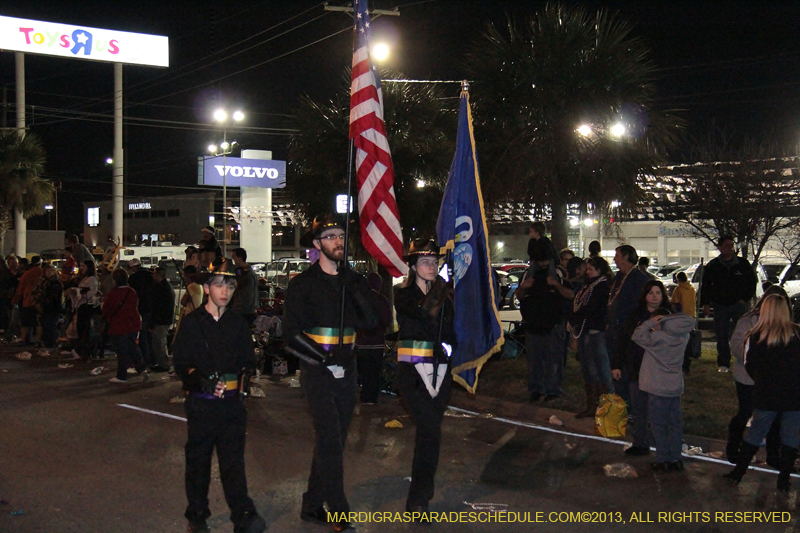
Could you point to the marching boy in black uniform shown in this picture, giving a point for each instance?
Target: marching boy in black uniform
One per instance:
(312, 312)
(214, 358)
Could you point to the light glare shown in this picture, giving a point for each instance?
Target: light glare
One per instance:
(585, 130)
(618, 130)
(220, 115)
(380, 52)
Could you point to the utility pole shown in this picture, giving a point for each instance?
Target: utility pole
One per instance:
(394, 12)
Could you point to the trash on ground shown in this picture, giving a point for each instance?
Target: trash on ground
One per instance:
(256, 392)
(407, 478)
(294, 382)
(24, 356)
(97, 371)
(456, 414)
(4, 371)
(556, 421)
(489, 507)
(44, 352)
(177, 399)
(65, 365)
(18, 512)
(694, 450)
(715, 455)
(393, 424)
(486, 415)
(623, 470)
(570, 445)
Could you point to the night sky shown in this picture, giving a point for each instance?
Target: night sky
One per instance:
(735, 65)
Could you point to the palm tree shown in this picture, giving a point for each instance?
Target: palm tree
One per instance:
(22, 161)
(420, 129)
(537, 82)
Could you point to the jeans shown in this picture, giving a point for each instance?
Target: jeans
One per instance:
(593, 355)
(128, 354)
(331, 402)
(216, 424)
(427, 413)
(545, 354)
(725, 319)
(639, 411)
(762, 422)
(667, 422)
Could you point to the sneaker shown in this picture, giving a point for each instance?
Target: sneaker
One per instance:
(115, 379)
(75, 355)
(723, 370)
(132, 371)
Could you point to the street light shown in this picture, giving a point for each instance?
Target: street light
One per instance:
(380, 52)
(222, 118)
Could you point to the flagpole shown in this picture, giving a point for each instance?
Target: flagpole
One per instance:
(344, 265)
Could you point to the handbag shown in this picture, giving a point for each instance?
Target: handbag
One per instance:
(611, 417)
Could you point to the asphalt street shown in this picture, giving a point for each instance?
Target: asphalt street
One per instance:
(74, 458)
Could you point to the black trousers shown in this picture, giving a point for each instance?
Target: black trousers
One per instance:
(331, 402)
(427, 413)
(370, 361)
(216, 423)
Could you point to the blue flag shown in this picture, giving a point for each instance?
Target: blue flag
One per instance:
(461, 229)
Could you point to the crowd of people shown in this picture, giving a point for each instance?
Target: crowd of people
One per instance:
(631, 338)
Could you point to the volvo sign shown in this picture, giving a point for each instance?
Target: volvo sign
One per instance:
(239, 172)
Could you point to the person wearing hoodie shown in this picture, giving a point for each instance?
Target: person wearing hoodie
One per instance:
(744, 386)
(663, 338)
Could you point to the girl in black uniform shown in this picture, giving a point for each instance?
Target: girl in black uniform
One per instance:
(425, 317)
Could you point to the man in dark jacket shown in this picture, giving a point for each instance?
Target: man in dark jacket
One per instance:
(245, 299)
(162, 298)
(141, 280)
(729, 282)
(213, 351)
(312, 311)
(544, 313)
(626, 289)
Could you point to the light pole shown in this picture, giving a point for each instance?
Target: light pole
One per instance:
(221, 117)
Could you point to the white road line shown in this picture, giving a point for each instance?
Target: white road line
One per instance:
(602, 439)
(165, 415)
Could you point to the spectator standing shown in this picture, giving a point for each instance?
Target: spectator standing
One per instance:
(163, 300)
(24, 298)
(208, 247)
(624, 295)
(536, 232)
(629, 360)
(684, 298)
(744, 386)
(729, 282)
(192, 257)
(643, 265)
(120, 311)
(587, 325)
(80, 252)
(664, 337)
(86, 304)
(371, 344)
(544, 313)
(192, 299)
(772, 358)
(48, 298)
(141, 280)
(8, 286)
(594, 249)
(245, 299)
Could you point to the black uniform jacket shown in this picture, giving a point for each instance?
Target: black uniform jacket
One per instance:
(210, 346)
(416, 324)
(314, 300)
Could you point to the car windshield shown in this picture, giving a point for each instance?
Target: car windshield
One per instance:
(773, 270)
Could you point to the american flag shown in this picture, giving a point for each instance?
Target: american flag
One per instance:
(381, 233)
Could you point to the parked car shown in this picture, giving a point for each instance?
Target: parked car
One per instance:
(505, 267)
(278, 273)
(509, 282)
(781, 272)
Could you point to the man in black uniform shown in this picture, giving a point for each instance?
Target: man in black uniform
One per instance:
(312, 311)
(213, 355)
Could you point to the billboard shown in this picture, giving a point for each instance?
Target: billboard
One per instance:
(240, 172)
(83, 42)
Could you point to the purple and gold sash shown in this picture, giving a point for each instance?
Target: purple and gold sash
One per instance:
(328, 338)
(410, 351)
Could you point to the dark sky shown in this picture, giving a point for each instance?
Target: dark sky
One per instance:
(731, 63)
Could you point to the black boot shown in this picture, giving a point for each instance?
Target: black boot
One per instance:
(735, 433)
(788, 457)
(746, 453)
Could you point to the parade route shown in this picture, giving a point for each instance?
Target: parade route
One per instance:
(80, 454)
